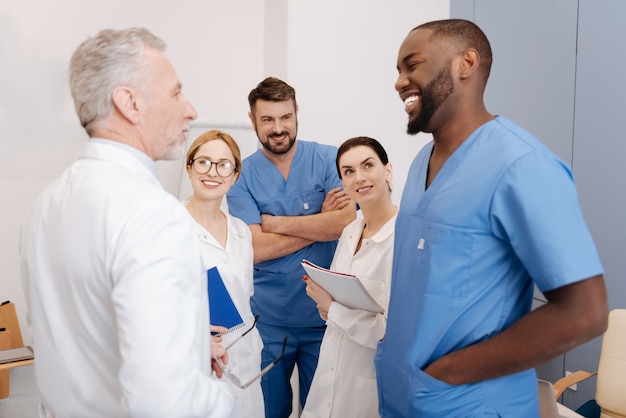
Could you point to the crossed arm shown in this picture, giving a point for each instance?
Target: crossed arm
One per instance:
(278, 236)
(573, 315)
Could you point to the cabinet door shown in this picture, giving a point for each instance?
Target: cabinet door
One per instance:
(534, 64)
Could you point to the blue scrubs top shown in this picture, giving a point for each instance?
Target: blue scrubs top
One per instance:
(279, 291)
(501, 214)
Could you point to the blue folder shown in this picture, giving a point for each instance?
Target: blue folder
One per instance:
(222, 309)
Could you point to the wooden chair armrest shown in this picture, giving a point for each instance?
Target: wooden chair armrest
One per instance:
(12, 364)
(565, 382)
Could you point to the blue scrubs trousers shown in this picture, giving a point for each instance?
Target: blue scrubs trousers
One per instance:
(303, 347)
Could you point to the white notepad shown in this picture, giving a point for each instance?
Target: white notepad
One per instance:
(346, 289)
(16, 354)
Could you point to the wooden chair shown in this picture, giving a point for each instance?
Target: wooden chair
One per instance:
(11, 337)
(611, 382)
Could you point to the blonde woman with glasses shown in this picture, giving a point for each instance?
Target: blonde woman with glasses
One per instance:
(213, 166)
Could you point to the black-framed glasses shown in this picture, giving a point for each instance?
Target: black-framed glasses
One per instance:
(202, 165)
(236, 381)
(256, 318)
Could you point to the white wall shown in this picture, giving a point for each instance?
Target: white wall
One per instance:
(339, 55)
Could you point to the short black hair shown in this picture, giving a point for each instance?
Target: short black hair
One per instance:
(465, 34)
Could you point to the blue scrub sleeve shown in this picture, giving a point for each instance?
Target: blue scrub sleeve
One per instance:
(536, 208)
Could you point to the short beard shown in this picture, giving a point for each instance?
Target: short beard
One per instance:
(435, 93)
(279, 151)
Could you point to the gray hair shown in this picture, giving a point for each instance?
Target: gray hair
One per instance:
(104, 62)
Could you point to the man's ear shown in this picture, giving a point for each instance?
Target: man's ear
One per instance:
(251, 116)
(125, 102)
(470, 61)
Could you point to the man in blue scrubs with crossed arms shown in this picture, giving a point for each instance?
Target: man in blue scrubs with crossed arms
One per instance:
(289, 194)
(487, 211)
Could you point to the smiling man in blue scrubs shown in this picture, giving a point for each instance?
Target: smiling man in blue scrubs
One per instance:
(289, 194)
(486, 213)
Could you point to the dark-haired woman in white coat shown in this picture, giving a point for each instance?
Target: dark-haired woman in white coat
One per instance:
(344, 384)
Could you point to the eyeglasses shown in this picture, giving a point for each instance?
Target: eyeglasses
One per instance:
(256, 318)
(202, 165)
(263, 372)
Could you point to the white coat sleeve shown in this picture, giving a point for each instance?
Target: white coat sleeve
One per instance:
(363, 327)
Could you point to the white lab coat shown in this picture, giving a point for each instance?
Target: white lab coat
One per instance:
(117, 294)
(344, 384)
(235, 265)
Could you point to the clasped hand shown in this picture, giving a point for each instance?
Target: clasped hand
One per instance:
(336, 199)
(218, 352)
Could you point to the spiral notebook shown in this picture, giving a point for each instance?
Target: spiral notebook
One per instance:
(222, 309)
(346, 289)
